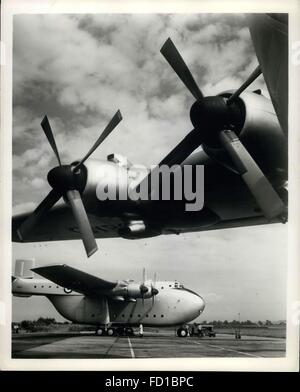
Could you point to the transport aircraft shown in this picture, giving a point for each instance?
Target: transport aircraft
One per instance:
(114, 307)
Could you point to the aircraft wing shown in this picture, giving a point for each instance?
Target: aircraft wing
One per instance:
(75, 280)
(58, 224)
(269, 34)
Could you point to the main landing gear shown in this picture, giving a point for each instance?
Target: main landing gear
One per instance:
(105, 331)
(114, 331)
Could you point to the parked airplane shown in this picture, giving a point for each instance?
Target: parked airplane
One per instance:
(113, 307)
(244, 153)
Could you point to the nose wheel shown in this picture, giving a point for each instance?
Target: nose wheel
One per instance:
(182, 332)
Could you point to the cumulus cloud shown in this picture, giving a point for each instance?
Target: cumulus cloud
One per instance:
(79, 69)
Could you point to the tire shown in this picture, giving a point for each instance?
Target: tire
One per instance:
(182, 333)
(110, 332)
(100, 332)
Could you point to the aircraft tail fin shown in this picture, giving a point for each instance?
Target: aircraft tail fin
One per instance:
(23, 268)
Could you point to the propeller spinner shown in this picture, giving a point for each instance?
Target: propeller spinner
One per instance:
(217, 121)
(68, 181)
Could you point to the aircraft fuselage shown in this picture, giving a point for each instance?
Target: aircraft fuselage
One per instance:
(173, 305)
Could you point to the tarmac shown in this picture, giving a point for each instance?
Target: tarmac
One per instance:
(151, 345)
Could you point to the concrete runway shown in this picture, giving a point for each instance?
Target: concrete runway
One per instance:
(150, 346)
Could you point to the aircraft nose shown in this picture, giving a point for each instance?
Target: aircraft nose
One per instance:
(200, 304)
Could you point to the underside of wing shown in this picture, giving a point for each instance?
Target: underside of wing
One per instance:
(58, 224)
(225, 224)
(75, 280)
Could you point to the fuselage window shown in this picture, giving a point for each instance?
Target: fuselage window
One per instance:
(34, 287)
(42, 287)
(93, 315)
(49, 287)
(170, 285)
(139, 315)
(154, 315)
(162, 287)
(161, 315)
(131, 316)
(147, 315)
(57, 287)
(123, 315)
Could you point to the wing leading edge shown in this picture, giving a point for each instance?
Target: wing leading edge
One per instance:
(75, 280)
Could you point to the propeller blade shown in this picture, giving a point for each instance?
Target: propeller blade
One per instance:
(187, 145)
(33, 219)
(49, 134)
(255, 74)
(82, 221)
(265, 195)
(109, 128)
(154, 290)
(173, 57)
(144, 275)
(191, 141)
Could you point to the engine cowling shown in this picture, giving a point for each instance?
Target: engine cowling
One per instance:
(261, 134)
(136, 290)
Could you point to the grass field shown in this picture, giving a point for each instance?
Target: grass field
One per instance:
(270, 332)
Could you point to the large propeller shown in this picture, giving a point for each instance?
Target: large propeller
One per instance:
(217, 121)
(144, 288)
(68, 181)
(154, 290)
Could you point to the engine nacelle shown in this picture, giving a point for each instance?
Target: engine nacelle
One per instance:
(261, 134)
(133, 290)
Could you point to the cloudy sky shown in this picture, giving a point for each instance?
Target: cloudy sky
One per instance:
(79, 69)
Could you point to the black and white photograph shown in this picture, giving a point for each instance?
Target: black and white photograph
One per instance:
(149, 188)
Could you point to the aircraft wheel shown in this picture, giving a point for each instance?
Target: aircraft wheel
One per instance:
(182, 333)
(110, 332)
(100, 332)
